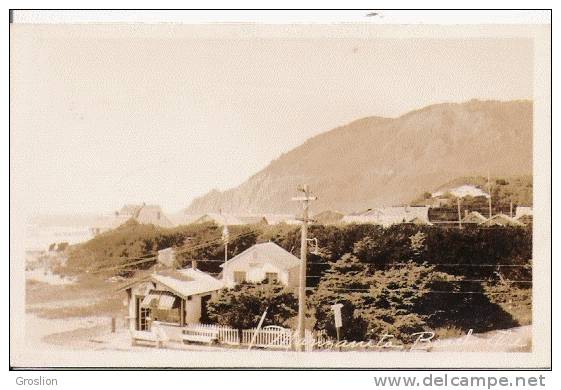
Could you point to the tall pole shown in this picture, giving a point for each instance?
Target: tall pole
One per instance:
(489, 189)
(459, 214)
(226, 252)
(226, 239)
(302, 284)
(303, 258)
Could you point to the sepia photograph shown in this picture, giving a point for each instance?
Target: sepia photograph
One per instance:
(280, 190)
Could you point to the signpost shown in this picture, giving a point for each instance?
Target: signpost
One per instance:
(338, 319)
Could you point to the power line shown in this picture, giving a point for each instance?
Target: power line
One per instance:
(329, 263)
(122, 266)
(469, 265)
(153, 258)
(462, 280)
(369, 292)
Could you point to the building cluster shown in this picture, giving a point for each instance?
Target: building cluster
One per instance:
(176, 298)
(383, 216)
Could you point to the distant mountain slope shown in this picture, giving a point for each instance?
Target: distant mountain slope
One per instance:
(387, 161)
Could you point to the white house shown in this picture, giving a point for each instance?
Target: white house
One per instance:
(501, 220)
(260, 263)
(142, 213)
(172, 297)
(145, 214)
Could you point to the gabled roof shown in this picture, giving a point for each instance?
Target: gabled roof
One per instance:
(525, 219)
(267, 253)
(391, 215)
(275, 219)
(145, 214)
(329, 216)
(501, 220)
(474, 217)
(188, 281)
(130, 210)
(184, 282)
(152, 214)
(252, 219)
(419, 221)
(220, 219)
(462, 191)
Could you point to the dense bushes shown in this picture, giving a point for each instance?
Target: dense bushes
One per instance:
(474, 252)
(242, 306)
(397, 280)
(132, 242)
(400, 301)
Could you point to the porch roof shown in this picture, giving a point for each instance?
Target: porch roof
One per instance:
(184, 282)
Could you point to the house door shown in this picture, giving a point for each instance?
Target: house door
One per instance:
(204, 308)
(142, 315)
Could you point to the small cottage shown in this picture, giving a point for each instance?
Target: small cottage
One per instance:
(172, 297)
(266, 262)
(474, 217)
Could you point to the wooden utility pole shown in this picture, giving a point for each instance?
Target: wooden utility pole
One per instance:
(489, 189)
(305, 200)
(226, 239)
(459, 214)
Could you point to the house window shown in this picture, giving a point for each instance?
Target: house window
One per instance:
(161, 306)
(271, 277)
(239, 276)
(172, 316)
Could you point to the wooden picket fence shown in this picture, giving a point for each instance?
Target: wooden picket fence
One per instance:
(267, 337)
(226, 335)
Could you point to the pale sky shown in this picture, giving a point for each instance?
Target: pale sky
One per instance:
(103, 116)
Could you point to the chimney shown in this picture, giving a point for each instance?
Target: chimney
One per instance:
(167, 257)
(194, 264)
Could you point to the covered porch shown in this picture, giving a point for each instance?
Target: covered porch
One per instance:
(172, 299)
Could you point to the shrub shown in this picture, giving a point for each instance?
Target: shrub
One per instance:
(400, 301)
(242, 306)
